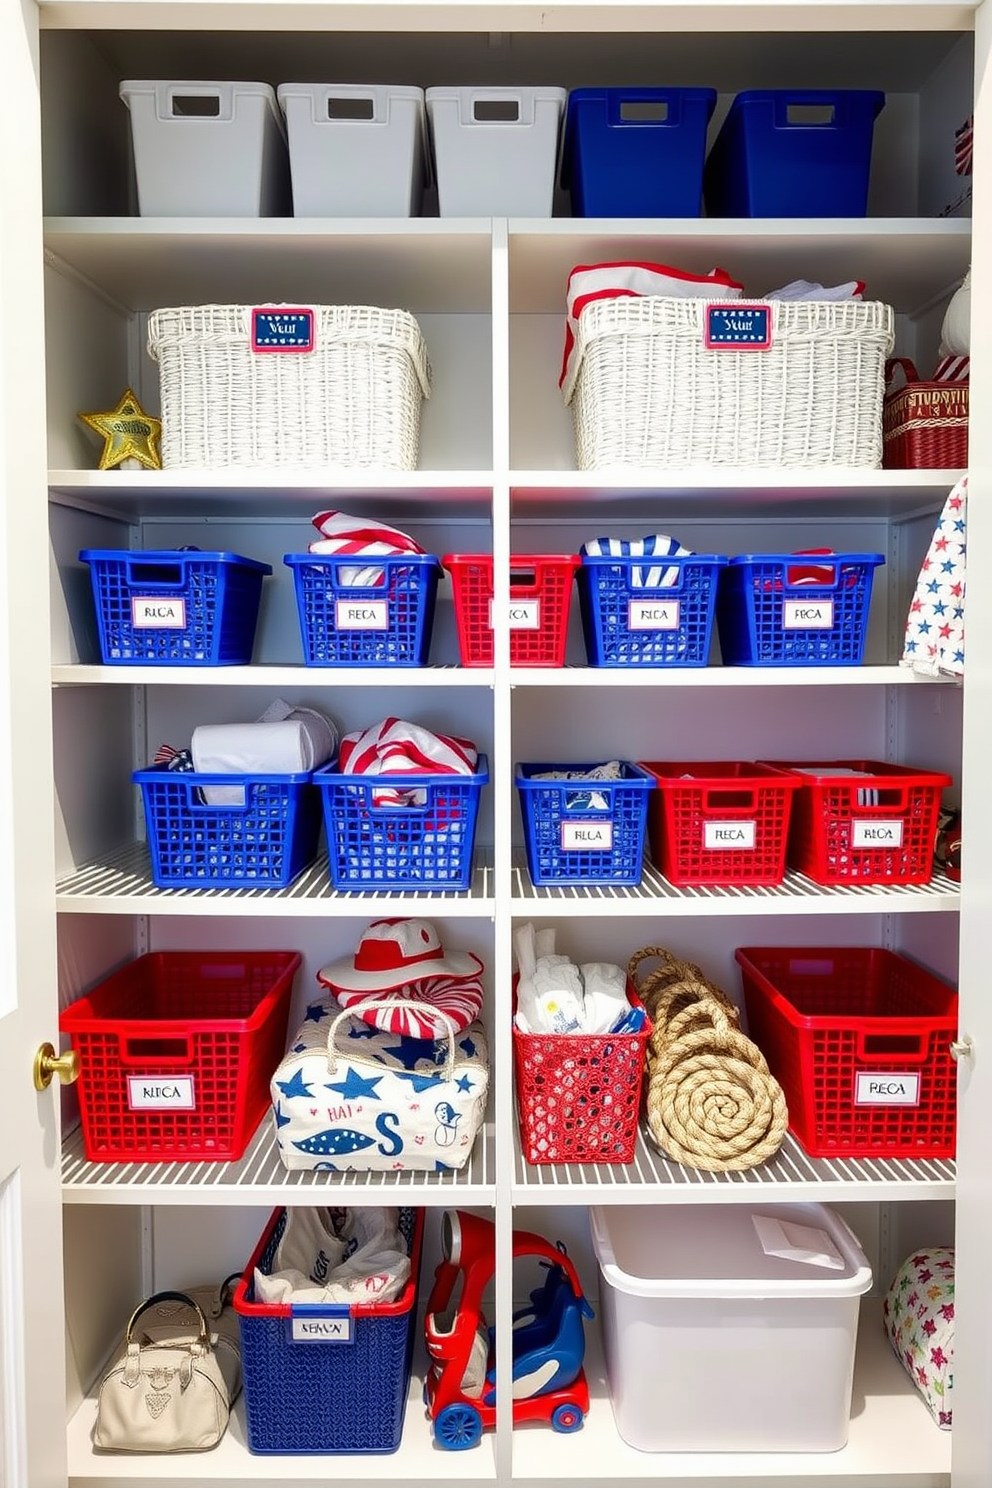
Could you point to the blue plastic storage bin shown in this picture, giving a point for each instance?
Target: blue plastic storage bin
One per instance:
(626, 624)
(173, 607)
(262, 844)
(636, 152)
(767, 616)
(571, 837)
(387, 624)
(793, 154)
(401, 847)
(343, 1392)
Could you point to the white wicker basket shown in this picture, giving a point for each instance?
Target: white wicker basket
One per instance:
(645, 390)
(352, 402)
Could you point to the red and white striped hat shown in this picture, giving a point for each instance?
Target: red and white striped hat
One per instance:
(407, 956)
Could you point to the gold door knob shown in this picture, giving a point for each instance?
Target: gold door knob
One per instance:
(47, 1063)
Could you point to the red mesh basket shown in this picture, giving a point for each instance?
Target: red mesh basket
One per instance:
(860, 1042)
(579, 1094)
(726, 824)
(876, 827)
(540, 599)
(176, 1051)
(924, 424)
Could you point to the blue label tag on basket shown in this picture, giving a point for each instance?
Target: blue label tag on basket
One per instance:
(282, 330)
(738, 327)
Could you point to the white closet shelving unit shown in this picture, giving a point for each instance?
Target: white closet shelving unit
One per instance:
(497, 472)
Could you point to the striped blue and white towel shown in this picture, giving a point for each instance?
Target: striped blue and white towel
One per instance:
(657, 545)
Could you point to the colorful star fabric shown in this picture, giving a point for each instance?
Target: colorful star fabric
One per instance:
(934, 640)
(918, 1313)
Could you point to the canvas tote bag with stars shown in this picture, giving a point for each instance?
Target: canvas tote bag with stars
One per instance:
(351, 1097)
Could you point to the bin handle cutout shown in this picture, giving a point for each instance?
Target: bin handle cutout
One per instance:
(195, 105)
(882, 1046)
(810, 114)
(155, 575)
(351, 108)
(643, 110)
(177, 1049)
(727, 799)
(496, 110)
(523, 576)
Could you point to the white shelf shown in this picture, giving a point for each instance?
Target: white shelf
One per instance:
(417, 1461)
(797, 894)
(230, 494)
(121, 883)
(790, 1176)
(716, 494)
(259, 1178)
(709, 676)
(891, 1435)
(905, 261)
(427, 265)
(77, 675)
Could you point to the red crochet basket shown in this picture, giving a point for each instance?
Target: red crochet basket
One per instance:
(924, 424)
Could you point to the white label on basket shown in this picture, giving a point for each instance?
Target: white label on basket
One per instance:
(361, 614)
(321, 1330)
(872, 1088)
(719, 835)
(158, 614)
(652, 614)
(586, 836)
(876, 833)
(525, 614)
(160, 1093)
(807, 614)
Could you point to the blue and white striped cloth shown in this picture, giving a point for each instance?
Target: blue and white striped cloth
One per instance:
(657, 545)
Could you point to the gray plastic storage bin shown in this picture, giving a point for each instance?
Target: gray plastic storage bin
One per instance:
(354, 151)
(208, 149)
(495, 149)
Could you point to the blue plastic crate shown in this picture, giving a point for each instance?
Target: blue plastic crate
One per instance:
(346, 1393)
(262, 844)
(387, 624)
(172, 607)
(401, 847)
(766, 615)
(627, 623)
(571, 837)
(793, 154)
(636, 152)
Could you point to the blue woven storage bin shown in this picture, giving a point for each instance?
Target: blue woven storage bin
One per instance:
(760, 612)
(793, 154)
(170, 607)
(557, 817)
(617, 611)
(387, 624)
(401, 847)
(347, 1395)
(263, 844)
(636, 152)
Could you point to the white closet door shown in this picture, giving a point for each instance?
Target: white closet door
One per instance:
(32, 1443)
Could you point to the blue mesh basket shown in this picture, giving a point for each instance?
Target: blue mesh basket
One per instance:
(262, 844)
(347, 625)
(628, 622)
(171, 607)
(770, 614)
(326, 1378)
(584, 831)
(401, 847)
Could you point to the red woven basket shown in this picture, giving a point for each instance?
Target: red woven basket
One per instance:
(924, 424)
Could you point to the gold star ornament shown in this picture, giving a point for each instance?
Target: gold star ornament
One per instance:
(130, 435)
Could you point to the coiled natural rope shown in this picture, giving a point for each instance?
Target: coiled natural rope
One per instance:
(712, 1102)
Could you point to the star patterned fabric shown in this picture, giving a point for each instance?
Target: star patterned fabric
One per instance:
(934, 641)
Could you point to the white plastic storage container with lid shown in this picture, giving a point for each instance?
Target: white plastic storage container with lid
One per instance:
(355, 151)
(495, 149)
(729, 1330)
(207, 149)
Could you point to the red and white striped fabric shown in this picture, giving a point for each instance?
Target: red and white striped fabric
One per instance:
(459, 997)
(395, 747)
(610, 281)
(952, 369)
(342, 534)
(964, 147)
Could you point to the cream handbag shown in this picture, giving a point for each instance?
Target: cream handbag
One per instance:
(172, 1387)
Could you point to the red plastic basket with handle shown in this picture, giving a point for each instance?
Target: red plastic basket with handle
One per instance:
(722, 823)
(540, 601)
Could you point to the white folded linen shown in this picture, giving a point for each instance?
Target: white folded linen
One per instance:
(284, 741)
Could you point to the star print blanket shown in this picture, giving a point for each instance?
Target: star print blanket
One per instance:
(934, 642)
(349, 1097)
